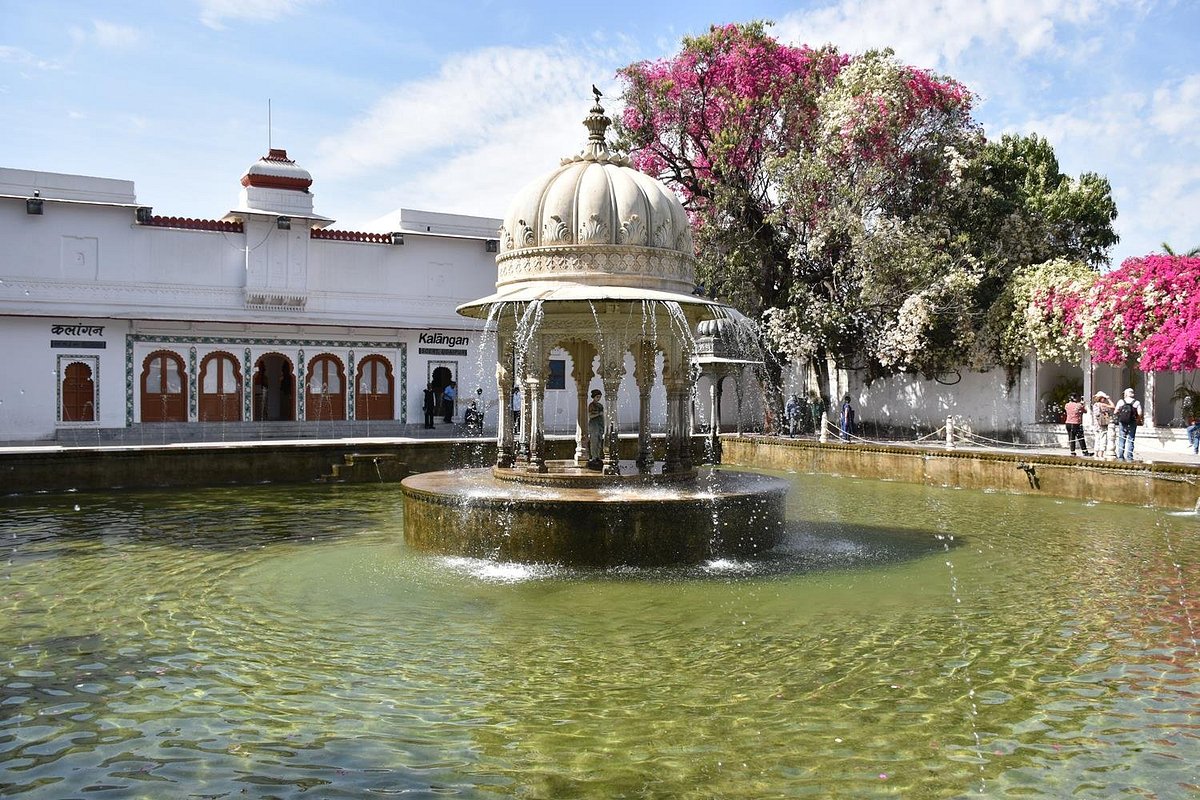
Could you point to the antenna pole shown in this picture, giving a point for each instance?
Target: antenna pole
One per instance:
(268, 124)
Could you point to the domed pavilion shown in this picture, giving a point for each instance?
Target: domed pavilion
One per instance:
(596, 257)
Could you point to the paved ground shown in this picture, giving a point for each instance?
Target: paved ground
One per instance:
(1149, 451)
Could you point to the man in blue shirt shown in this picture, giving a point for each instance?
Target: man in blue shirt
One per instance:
(448, 396)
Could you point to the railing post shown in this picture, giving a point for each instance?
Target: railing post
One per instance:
(949, 433)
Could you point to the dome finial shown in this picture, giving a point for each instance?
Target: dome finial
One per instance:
(597, 123)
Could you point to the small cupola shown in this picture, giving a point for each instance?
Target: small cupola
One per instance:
(276, 171)
(277, 185)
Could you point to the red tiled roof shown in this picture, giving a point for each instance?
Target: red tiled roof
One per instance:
(351, 236)
(190, 224)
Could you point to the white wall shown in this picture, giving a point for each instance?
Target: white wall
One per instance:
(29, 392)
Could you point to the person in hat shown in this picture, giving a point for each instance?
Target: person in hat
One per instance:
(1128, 413)
(1102, 420)
(595, 420)
(1075, 409)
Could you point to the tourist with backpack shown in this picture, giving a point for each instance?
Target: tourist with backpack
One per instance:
(1128, 415)
(1102, 420)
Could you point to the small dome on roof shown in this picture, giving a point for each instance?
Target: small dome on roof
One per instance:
(596, 220)
(276, 171)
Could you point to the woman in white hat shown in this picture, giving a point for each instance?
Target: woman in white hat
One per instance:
(1102, 420)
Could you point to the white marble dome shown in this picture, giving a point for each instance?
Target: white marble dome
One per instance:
(597, 221)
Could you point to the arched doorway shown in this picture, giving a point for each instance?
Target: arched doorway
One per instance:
(78, 393)
(220, 389)
(325, 392)
(274, 385)
(373, 389)
(164, 393)
(440, 377)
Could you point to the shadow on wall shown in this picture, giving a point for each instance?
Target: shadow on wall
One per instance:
(904, 404)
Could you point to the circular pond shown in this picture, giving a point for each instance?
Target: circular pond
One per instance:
(900, 641)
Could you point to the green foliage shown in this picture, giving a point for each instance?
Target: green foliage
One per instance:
(853, 204)
(1046, 300)
(1054, 401)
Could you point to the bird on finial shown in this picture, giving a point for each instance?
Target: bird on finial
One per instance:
(596, 92)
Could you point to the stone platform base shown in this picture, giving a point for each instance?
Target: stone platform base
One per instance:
(472, 513)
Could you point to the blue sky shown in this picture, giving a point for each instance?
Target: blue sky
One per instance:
(454, 106)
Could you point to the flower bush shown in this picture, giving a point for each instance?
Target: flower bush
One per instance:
(1147, 310)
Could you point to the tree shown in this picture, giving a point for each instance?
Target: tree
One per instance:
(708, 122)
(1018, 210)
(803, 171)
(851, 203)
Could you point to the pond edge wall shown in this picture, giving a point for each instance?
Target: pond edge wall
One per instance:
(39, 470)
(1173, 486)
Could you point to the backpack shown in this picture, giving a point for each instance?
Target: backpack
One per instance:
(1126, 413)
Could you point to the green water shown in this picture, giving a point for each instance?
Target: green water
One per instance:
(905, 642)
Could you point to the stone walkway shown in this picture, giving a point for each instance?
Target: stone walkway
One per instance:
(1149, 451)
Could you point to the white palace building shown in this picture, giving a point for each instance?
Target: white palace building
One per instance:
(113, 316)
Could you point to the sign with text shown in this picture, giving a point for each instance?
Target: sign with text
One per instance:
(444, 339)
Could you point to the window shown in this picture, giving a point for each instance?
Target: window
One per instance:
(558, 374)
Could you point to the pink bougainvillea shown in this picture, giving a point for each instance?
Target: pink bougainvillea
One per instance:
(1148, 309)
(734, 98)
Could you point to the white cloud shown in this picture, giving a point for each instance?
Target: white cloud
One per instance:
(213, 13)
(1143, 143)
(1110, 127)
(937, 34)
(24, 58)
(1176, 109)
(466, 139)
(1162, 206)
(108, 35)
(113, 36)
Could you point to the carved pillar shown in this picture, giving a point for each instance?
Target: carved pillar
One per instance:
(1085, 364)
(739, 389)
(1148, 400)
(505, 449)
(535, 398)
(612, 369)
(612, 386)
(714, 417)
(522, 447)
(685, 424)
(582, 355)
(644, 377)
(675, 396)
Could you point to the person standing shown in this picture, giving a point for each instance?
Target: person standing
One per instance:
(1074, 418)
(429, 404)
(816, 408)
(595, 422)
(847, 425)
(1128, 413)
(791, 413)
(448, 396)
(1193, 432)
(1102, 419)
